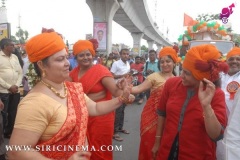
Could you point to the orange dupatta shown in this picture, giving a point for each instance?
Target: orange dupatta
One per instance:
(91, 78)
(100, 128)
(73, 132)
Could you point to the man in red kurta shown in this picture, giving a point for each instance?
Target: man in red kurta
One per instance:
(139, 67)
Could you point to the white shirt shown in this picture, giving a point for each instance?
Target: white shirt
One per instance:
(231, 139)
(120, 68)
(10, 72)
(26, 64)
(225, 80)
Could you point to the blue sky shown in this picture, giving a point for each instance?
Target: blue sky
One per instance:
(73, 18)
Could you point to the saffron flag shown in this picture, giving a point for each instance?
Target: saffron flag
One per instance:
(188, 21)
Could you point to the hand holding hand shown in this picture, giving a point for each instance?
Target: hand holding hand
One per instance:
(124, 82)
(206, 92)
(127, 97)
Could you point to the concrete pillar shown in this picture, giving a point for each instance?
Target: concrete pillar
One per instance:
(137, 37)
(159, 47)
(150, 44)
(104, 11)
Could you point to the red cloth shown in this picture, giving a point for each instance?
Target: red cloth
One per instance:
(188, 21)
(139, 68)
(100, 129)
(194, 142)
(73, 131)
(148, 124)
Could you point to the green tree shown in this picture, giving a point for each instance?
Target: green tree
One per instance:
(229, 30)
(236, 38)
(144, 48)
(22, 36)
(207, 17)
(14, 39)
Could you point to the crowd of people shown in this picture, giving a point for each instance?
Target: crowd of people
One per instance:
(80, 99)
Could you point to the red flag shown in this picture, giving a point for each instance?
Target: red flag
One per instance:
(188, 21)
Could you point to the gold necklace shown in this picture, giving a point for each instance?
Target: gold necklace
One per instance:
(55, 91)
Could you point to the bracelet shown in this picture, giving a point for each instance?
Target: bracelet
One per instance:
(209, 116)
(122, 99)
(158, 136)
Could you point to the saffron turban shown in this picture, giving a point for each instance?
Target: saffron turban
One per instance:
(203, 62)
(44, 45)
(234, 52)
(169, 51)
(83, 45)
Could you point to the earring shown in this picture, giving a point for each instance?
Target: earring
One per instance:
(43, 74)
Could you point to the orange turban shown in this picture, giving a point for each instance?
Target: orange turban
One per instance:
(83, 45)
(169, 51)
(234, 52)
(203, 62)
(44, 45)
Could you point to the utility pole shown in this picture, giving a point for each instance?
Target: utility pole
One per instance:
(19, 21)
(3, 3)
(155, 10)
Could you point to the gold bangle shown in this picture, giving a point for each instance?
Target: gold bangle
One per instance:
(122, 99)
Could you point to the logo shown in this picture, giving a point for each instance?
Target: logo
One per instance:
(226, 12)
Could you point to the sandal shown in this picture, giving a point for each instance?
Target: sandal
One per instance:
(140, 101)
(117, 137)
(124, 131)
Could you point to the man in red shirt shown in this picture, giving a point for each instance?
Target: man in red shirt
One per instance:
(139, 67)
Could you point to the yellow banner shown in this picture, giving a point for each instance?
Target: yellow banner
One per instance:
(4, 30)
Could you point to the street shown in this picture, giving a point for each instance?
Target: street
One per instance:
(130, 144)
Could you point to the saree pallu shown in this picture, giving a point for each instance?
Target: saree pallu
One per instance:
(148, 124)
(72, 135)
(100, 128)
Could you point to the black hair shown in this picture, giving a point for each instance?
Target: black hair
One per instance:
(37, 69)
(124, 49)
(4, 42)
(18, 54)
(152, 51)
(137, 57)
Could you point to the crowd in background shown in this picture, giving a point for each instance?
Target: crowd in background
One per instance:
(198, 80)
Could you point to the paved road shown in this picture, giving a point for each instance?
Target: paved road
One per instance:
(130, 144)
